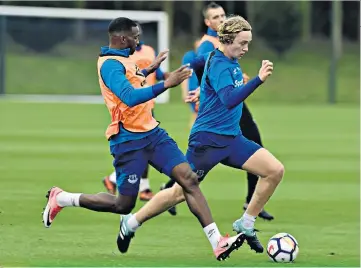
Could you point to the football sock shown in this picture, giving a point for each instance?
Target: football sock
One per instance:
(133, 224)
(113, 177)
(65, 199)
(212, 234)
(248, 221)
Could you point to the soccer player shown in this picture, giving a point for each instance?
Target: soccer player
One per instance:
(216, 136)
(143, 56)
(190, 84)
(136, 140)
(214, 15)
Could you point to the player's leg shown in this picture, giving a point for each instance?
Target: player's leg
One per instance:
(129, 166)
(169, 160)
(203, 157)
(110, 183)
(173, 210)
(253, 158)
(145, 193)
(250, 131)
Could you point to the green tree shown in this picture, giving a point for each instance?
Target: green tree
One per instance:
(279, 24)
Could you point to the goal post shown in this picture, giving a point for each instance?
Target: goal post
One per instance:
(159, 17)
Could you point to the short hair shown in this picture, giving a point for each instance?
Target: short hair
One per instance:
(229, 29)
(121, 25)
(211, 5)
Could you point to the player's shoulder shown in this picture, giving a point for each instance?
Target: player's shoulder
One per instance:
(220, 64)
(147, 47)
(111, 64)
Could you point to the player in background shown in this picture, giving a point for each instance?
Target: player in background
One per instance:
(216, 136)
(214, 15)
(143, 56)
(136, 139)
(190, 84)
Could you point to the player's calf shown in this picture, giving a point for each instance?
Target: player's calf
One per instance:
(271, 171)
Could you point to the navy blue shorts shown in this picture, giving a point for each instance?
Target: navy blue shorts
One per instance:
(132, 157)
(206, 150)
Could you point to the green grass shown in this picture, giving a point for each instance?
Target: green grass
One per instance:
(302, 76)
(42, 145)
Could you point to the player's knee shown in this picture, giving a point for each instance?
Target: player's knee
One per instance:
(191, 179)
(123, 208)
(177, 194)
(277, 172)
(186, 177)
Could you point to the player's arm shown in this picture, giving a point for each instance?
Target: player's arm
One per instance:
(156, 63)
(113, 75)
(227, 89)
(159, 74)
(198, 63)
(205, 47)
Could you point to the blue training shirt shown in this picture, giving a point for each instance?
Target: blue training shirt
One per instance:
(222, 94)
(188, 57)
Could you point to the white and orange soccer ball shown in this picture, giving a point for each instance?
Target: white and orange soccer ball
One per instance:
(282, 247)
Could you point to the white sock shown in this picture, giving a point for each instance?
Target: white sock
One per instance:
(144, 184)
(212, 234)
(113, 177)
(133, 224)
(248, 221)
(65, 199)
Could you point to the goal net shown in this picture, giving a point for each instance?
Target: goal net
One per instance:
(53, 51)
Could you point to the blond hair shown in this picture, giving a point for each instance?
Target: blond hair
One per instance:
(229, 29)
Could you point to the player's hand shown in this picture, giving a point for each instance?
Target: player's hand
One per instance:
(266, 70)
(193, 96)
(196, 108)
(159, 59)
(178, 76)
(245, 78)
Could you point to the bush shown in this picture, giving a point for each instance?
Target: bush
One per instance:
(279, 24)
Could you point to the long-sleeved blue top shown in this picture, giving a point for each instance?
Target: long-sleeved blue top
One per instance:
(188, 57)
(222, 95)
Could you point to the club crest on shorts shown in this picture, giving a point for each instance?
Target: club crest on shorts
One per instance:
(132, 178)
(200, 173)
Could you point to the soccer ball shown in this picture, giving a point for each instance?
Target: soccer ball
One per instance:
(282, 247)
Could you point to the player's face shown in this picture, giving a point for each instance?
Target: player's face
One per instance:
(239, 47)
(215, 17)
(133, 39)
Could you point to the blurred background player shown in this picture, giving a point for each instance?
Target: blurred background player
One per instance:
(143, 56)
(190, 84)
(214, 15)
